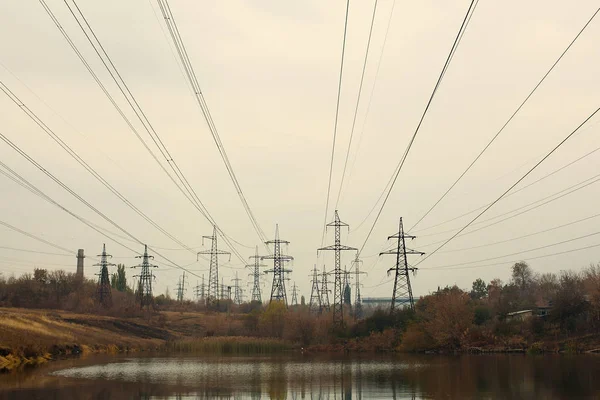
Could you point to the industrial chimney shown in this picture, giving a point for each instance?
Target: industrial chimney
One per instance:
(80, 258)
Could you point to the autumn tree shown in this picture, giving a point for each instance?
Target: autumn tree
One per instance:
(522, 275)
(447, 316)
(569, 303)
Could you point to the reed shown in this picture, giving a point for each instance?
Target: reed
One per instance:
(229, 345)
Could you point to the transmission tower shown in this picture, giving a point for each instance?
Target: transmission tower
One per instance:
(402, 295)
(181, 288)
(347, 299)
(294, 295)
(145, 279)
(314, 305)
(278, 289)
(104, 294)
(324, 291)
(358, 312)
(213, 275)
(237, 290)
(337, 247)
(200, 291)
(256, 295)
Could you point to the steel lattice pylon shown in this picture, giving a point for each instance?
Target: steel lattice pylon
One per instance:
(315, 296)
(237, 290)
(294, 294)
(256, 294)
(402, 295)
(181, 288)
(325, 305)
(213, 275)
(104, 293)
(146, 276)
(278, 289)
(337, 247)
(358, 312)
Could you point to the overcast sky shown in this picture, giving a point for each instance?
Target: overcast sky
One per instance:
(269, 72)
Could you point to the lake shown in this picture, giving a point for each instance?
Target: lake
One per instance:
(310, 377)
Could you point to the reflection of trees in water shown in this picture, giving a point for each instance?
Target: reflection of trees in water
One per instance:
(498, 376)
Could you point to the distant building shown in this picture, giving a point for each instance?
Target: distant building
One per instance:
(541, 311)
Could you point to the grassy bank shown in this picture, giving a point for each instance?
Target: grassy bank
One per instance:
(30, 337)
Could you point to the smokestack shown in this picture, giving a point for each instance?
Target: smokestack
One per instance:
(80, 257)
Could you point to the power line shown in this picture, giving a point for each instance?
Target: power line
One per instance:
(124, 89)
(337, 111)
(512, 186)
(518, 260)
(507, 122)
(37, 191)
(201, 101)
(35, 251)
(526, 251)
(368, 109)
(85, 165)
(568, 191)
(515, 192)
(362, 78)
(32, 236)
(394, 177)
(520, 237)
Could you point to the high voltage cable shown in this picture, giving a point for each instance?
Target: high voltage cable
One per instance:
(32, 236)
(524, 251)
(337, 112)
(512, 186)
(108, 95)
(394, 177)
(514, 261)
(190, 195)
(544, 201)
(201, 101)
(34, 189)
(21, 181)
(507, 122)
(35, 251)
(85, 165)
(362, 78)
(516, 191)
(368, 109)
(518, 237)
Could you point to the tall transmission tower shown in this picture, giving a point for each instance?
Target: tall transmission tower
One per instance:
(402, 295)
(337, 247)
(358, 311)
(200, 291)
(256, 294)
(237, 290)
(314, 305)
(145, 279)
(213, 275)
(278, 289)
(347, 288)
(103, 293)
(324, 291)
(181, 288)
(294, 295)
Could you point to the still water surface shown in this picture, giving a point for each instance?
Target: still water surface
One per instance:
(310, 377)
